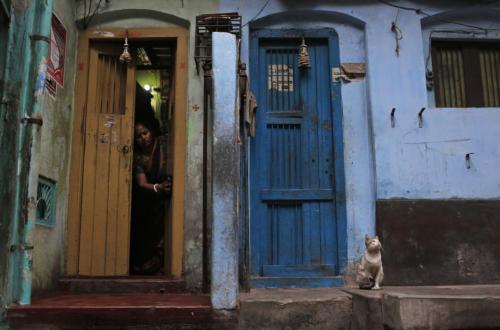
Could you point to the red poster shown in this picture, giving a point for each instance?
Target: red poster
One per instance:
(55, 65)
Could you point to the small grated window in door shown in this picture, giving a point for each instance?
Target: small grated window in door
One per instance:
(282, 91)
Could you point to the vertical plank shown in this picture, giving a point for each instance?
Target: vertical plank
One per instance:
(460, 65)
(327, 220)
(105, 90)
(328, 233)
(76, 177)
(473, 81)
(114, 163)
(101, 189)
(496, 70)
(89, 162)
(125, 174)
(179, 153)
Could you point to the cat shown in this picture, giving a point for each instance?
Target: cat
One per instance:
(370, 271)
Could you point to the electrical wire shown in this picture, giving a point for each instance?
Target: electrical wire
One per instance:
(258, 13)
(87, 16)
(398, 34)
(420, 11)
(417, 10)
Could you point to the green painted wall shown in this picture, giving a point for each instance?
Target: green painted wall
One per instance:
(18, 76)
(54, 161)
(49, 251)
(10, 82)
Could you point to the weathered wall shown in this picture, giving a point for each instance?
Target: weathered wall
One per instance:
(432, 242)
(49, 251)
(429, 162)
(167, 13)
(225, 171)
(14, 33)
(405, 161)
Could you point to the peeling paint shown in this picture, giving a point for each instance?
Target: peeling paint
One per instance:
(101, 33)
(20, 6)
(40, 80)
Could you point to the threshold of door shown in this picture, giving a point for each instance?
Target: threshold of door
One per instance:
(122, 284)
(297, 282)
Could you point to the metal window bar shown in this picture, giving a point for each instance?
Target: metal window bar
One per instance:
(205, 25)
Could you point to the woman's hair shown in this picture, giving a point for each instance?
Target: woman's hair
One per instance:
(145, 124)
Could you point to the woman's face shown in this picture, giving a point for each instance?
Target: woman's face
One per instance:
(143, 136)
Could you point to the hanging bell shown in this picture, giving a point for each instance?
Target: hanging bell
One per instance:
(125, 57)
(303, 56)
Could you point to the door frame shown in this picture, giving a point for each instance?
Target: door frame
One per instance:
(338, 148)
(175, 226)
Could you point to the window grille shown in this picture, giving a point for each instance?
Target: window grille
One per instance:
(466, 74)
(46, 202)
(205, 25)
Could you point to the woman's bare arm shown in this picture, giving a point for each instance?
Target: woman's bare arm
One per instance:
(143, 183)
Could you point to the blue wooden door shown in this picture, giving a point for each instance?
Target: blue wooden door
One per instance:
(294, 226)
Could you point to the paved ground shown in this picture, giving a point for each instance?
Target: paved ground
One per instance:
(325, 308)
(425, 307)
(462, 291)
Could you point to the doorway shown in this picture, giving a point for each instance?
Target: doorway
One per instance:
(297, 203)
(154, 110)
(101, 178)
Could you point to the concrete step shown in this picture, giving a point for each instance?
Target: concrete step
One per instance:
(312, 308)
(118, 311)
(122, 284)
(432, 307)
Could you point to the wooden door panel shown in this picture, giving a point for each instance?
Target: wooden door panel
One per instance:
(104, 236)
(293, 218)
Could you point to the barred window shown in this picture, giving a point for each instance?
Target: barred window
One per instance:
(466, 74)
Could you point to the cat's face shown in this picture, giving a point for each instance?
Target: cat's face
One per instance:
(372, 244)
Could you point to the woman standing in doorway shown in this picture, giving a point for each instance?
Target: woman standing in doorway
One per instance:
(152, 187)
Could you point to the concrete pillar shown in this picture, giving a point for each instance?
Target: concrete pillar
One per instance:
(225, 176)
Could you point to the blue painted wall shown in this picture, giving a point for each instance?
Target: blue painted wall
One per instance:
(405, 161)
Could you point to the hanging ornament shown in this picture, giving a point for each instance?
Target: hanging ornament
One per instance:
(303, 56)
(125, 57)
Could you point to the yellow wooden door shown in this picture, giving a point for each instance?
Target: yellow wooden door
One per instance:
(106, 184)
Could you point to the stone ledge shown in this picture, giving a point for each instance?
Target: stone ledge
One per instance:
(317, 308)
(438, 307)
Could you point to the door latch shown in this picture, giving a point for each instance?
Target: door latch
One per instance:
(125, 149)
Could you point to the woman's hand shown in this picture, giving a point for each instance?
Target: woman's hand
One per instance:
(166, 186)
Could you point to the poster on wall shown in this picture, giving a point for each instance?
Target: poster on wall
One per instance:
(55, 64)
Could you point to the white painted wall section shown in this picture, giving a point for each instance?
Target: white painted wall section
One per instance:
(225, 176)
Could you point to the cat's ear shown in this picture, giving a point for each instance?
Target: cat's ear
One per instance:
(376, 237)
(367, 238)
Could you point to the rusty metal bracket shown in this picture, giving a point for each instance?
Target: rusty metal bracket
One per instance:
(14, 248)
(30, 120)
(393, 120)
(467, 160)
(420, 118)
(39, 37)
